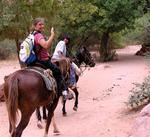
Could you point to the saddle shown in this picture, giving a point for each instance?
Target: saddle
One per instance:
(64, 65)
(47, 76)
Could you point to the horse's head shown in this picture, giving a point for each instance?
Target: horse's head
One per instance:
(84, 56)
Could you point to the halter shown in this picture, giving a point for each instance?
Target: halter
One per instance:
(84, 57)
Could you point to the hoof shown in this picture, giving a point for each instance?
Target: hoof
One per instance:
(39, 125)
(56, 132)
(64, 113)
(75, 108)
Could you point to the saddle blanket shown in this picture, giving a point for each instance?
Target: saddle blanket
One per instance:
(47, 76)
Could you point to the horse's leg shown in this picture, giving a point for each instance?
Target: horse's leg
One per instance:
(44, 113)
(56, 130)
(25, 117)
(10, 127)
(38, 114)
(64, 108)
(50, 108)
(76, 99)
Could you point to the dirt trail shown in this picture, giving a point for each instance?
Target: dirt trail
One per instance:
(104, 90)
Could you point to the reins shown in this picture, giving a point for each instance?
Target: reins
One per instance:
(68, 69)
(82, 66)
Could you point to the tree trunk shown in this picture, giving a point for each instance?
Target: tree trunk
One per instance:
(104, 47)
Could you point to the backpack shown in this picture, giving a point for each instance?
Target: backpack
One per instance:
(27, 50)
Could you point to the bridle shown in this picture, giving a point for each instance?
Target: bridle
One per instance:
(84, 57)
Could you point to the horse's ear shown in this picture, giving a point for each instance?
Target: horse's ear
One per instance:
(84, 48)
(81, 49)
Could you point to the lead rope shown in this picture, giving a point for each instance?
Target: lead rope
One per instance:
(82, 70)
(68, 69)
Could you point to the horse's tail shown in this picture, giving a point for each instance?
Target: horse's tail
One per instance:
(12, 101)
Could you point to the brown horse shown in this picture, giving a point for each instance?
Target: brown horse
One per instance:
(64, 65)
(26, 90)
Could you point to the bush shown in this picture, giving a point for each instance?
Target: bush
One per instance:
(141, 33)
(7, 49)
(116, 41)
(4, 54)
(140, 94)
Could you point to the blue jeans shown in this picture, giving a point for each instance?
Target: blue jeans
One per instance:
(72, 76)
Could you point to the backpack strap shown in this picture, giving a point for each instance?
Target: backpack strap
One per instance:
(35, 32)
(35, 49)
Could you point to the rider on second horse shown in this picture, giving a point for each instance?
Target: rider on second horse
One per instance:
(60, 53)
(41, 49)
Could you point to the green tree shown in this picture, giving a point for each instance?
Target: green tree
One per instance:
(74, 19)
(142, 31)
(116, 17)
(16, 17)
(101, 17)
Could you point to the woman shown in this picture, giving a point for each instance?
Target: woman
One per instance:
(42, 45)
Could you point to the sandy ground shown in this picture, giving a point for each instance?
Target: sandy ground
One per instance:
(102, 111)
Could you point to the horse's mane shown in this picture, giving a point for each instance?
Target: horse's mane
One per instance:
(64, 66)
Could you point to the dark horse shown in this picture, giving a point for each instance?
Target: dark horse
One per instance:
(82, 56)
(26, 90)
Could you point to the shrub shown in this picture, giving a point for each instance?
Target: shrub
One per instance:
(7, 49)
(140, 94)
